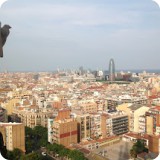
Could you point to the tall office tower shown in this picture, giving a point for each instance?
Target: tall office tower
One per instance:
(111, 70)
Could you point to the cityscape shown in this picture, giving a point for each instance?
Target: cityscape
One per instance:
(79, 80)
(101, 115)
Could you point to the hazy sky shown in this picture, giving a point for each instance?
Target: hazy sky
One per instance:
(47, 34)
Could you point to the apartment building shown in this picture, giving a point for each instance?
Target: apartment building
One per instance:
(50, 130)
(154, 144)
(119, 123)
(59, 115)
(114, 101)
(95, 125)
(152, 120)
(103, 125)
(89, 107)
(33, 118)
(65, 132)
(10, 104)
(84, 127)
(13, 135)
(134, 111)
(142, 124)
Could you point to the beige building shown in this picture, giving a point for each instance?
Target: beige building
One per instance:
(149, 125)
(103, 125)
(154, 144)
(89, 107)
(9, 106)
(134, 112)
(95, 125)
(153, 120)
(33, 118)
(84, 127)
(64, 132)
(13, 135)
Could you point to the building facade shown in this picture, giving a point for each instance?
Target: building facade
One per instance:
(13, 135)
(65, 132)
(84, 127)
(34, 118)
(120, 124)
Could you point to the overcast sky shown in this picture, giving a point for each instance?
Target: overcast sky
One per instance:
(67, 34)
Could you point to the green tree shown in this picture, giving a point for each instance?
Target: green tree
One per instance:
(31, 156)
(64, 152)
(77, 155)
(133, 153)
(137, 148)
(35, 138)
(15, 154)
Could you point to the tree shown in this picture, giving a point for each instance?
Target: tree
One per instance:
(64, 152)
(15, 154)
(133, 153)
(35, 138)
(77, 155)
(137, 148)
(31, 156)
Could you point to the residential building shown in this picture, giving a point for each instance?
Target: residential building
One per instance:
(89, 107)
(134, 112)
(95, 125)
(142, 124)
(33, 118)
(119, 123)
(13, 135)
(154, 144)
(50, 130)
(84, 127)
(152, 120)
(103, 125)
(65, 132)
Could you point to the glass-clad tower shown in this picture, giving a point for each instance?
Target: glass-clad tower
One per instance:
(111, 70)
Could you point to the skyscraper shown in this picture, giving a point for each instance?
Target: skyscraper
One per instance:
(111, 70)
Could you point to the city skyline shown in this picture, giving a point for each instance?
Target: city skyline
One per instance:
(47, 35)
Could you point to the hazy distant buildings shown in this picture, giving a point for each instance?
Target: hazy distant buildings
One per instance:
(111, 70)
